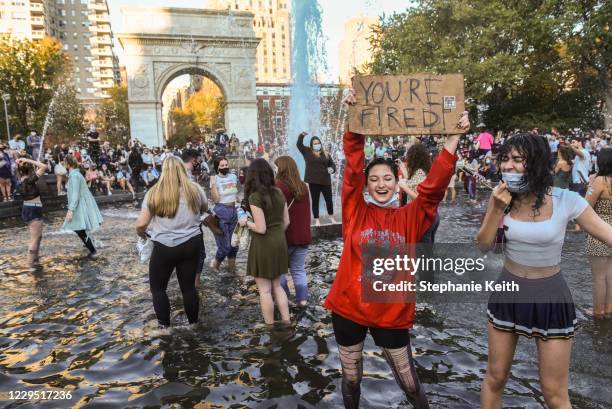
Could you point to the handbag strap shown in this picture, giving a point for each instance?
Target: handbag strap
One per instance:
(290, 204)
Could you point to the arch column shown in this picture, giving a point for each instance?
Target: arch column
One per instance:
(146, 122)
(241, 119)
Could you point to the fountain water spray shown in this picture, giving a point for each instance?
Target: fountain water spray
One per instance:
(49, 119)
(307, 63)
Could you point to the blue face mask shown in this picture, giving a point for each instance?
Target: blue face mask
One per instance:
(317, 147)
(515, 182)
(393, 202)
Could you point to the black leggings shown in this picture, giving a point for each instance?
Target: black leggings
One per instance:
(185, 258)
(315, 190)
(86, 240)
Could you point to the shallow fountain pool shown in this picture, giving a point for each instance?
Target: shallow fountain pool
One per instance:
(88, 327)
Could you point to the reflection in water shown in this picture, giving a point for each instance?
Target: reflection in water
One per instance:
(88, 326)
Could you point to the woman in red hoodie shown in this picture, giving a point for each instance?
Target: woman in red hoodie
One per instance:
(380, 222)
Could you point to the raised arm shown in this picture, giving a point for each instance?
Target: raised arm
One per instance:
(577, 150)
(300, 143)
(453, 140)
(41, 168)
(353, 181)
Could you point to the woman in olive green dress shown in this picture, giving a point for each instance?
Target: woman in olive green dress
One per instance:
(268, 257)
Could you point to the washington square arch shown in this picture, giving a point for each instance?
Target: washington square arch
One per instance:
(161, 43)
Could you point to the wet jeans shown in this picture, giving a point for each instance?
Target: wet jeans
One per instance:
(471, 187)
(297, 261)
(227, 222)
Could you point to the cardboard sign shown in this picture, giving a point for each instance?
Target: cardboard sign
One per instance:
(416, 104)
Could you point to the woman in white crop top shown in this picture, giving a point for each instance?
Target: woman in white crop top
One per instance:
(534, 217)
(224, 191)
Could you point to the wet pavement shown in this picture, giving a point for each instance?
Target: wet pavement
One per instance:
(88, 327)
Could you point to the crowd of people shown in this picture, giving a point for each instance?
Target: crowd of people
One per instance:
(391, 190)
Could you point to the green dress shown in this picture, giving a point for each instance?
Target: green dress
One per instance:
(268, 257)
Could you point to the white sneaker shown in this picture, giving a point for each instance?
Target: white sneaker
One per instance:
(110, 193)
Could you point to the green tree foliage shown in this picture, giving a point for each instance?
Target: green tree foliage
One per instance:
(29, 73)
(185, 128)
(113, 116)
(518, 57)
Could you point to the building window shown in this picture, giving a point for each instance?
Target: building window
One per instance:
(279, 122)
(278, 104)
(266, 104)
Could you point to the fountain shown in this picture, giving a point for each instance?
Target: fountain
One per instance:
(48, 120)
(307, 63)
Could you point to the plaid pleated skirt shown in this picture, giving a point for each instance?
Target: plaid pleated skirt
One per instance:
(541, 308)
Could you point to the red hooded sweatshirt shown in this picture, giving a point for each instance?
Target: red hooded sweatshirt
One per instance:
(364, 223)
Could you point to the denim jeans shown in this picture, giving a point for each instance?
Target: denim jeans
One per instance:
(227, 222)
(471, 187)
(297, 261)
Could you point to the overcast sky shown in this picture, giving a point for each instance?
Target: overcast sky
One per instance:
(335, 14)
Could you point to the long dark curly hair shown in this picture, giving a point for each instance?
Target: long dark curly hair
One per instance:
(417, 158)
(538, 173)
(259, 178)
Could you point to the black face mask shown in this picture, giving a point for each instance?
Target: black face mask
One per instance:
(223, 171)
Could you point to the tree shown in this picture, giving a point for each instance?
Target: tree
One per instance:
(185, 128)
(513, 56)
(207, 106)
(587, 39)
(113, 116)
(29, 73)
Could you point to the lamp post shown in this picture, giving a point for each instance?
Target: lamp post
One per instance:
(5, 98)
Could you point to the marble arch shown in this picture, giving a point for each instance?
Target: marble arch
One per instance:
(160, 43)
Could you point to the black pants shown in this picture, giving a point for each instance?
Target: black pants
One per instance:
(315, 191)
(185, 258)
(86, 240)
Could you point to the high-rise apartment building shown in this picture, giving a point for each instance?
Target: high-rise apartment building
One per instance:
(272, 23)
(354, 50)
(82, 26)
(23, 18)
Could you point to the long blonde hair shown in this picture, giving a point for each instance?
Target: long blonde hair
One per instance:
(165, 195)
